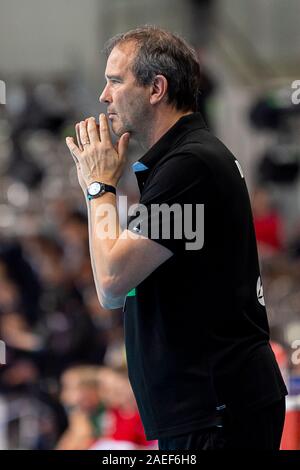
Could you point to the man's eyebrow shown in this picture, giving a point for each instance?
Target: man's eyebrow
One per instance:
(111, 77)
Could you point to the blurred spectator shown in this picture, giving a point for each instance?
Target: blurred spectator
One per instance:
(121, 420)
(20, 285)
(282, 359)
(268, 224)
(34, 417)
(81, 397)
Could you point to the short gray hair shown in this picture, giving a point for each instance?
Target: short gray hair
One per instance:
(160, 52)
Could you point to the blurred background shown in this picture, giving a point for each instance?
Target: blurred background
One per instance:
(65, 385)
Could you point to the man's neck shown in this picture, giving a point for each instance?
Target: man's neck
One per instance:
(161, 124)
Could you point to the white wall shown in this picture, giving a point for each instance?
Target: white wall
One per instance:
(272, 26)
(42, 36)
(49, 36)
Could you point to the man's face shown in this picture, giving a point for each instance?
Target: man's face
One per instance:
(128, 105)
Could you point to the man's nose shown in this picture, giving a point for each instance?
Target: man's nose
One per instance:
(105, 96)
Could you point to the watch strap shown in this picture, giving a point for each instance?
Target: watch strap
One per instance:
(107, 189)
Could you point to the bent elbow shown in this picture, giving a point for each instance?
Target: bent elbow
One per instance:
(111, 295)
(104, 302)
(113, 288)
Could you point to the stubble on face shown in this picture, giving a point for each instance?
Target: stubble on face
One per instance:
(136, 118)
(131, 101)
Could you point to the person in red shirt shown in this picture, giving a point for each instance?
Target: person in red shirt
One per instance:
(122, 427)
(268, 223)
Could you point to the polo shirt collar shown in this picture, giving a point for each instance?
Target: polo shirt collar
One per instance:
(168, 141)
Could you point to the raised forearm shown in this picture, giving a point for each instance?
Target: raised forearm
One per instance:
(100, 247)
(98, 160)
(97, 286)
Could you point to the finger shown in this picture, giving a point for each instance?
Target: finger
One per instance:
(97, 126)
(74, 158)
(104, 130)
(75, 151)
(92, 130)
(83, 133)
(123, 144)
(78, 137)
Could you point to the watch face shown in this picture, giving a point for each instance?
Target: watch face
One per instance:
(95, 188)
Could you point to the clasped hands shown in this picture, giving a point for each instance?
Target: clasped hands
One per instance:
(96, 158)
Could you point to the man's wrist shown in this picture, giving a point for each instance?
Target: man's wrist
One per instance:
(105, 180)
(99, 188)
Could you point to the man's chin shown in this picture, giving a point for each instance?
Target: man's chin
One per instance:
(117, 130)
(114, 128)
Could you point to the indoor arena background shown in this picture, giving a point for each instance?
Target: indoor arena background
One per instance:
(63, 382)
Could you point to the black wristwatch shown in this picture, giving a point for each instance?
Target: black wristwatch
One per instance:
(97, 188)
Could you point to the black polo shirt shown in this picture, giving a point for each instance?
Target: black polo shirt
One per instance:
(196, 330)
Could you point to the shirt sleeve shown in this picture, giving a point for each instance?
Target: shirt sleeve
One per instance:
(171, 208)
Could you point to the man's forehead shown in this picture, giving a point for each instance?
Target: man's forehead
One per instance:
(120, 59)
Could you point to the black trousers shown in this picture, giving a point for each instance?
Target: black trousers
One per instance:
(261, 429)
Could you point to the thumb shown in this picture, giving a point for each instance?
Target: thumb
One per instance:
(123, 144)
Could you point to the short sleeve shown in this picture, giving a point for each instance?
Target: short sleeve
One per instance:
(171, 208)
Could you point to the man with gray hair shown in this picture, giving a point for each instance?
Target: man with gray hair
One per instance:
(196, 329)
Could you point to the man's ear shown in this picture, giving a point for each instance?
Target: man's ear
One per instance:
(159, 89)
